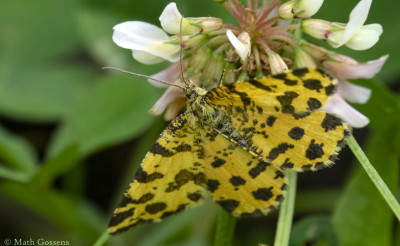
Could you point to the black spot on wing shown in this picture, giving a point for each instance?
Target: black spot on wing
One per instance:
(229, 205)
(301, 115)
(212, 185)
(296, 133)
(300, 72)
(286, 101)
(313, 104)
(275, 152)
(260, 85)
(271, 120)
(155, 207)
(286, 81)
(314, 150)
(120, 217)
(259, 168)
(263, 194)
(143, 177)
(243, 96)
(279, 174)
(330, 89)
(287, 164)
(330, 122)
(183, 147)
(217, 162)
(313, 84)
(237, 180)
(195, 196)
(183, 177)
(158, 149)
(143, 199)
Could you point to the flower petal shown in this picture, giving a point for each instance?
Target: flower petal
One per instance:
(169, 74)
(308, 8)
(137, 35)
(169, 95)
(242, 48)
(347, 68)
(142, 36)
(358, 16)
(146, 57)
(354, 93)
(365, 38)
(336, 105)
(170, 19)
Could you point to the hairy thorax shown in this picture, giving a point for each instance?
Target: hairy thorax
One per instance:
(208, 116)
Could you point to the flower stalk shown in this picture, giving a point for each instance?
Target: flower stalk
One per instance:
(286, 212)
(374, 176)
(225, 228)
(102, 239)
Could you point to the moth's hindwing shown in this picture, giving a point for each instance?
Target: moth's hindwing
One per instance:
(238, 181)
(170, 179)
(279, 118)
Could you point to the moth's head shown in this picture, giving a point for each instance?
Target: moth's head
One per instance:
(192, 91)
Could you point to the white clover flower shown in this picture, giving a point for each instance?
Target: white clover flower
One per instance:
(344, 68)
(354, 34)
(149, 43)
(242, 43)
(296, 9)
(338, 106)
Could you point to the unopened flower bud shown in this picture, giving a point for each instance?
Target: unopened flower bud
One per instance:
(295, 9)
(303, 59)
(276, 63)
(321, 29)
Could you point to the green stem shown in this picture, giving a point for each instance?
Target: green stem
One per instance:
(225, 228)
(286, 212)
(102, 239)
(373, 174)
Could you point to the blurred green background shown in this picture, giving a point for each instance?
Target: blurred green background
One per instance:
(72, 135)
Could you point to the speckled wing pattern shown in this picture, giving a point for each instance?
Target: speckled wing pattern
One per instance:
(238, 181)
(170, 178)
(280, 119)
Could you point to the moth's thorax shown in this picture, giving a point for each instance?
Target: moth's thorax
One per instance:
(197, 102)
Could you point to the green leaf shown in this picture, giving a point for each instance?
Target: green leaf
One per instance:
(114, 111)
(18, 159)
(313, 230)
(40, 93)
(68, 214)
(58, 165)
(36, 31)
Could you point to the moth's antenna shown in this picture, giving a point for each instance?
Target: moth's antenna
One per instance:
(180, 52)
(143, 76)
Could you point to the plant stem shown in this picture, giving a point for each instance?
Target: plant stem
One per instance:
(286, 212)
(373, 174)
(225, 228)
(102, 239)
